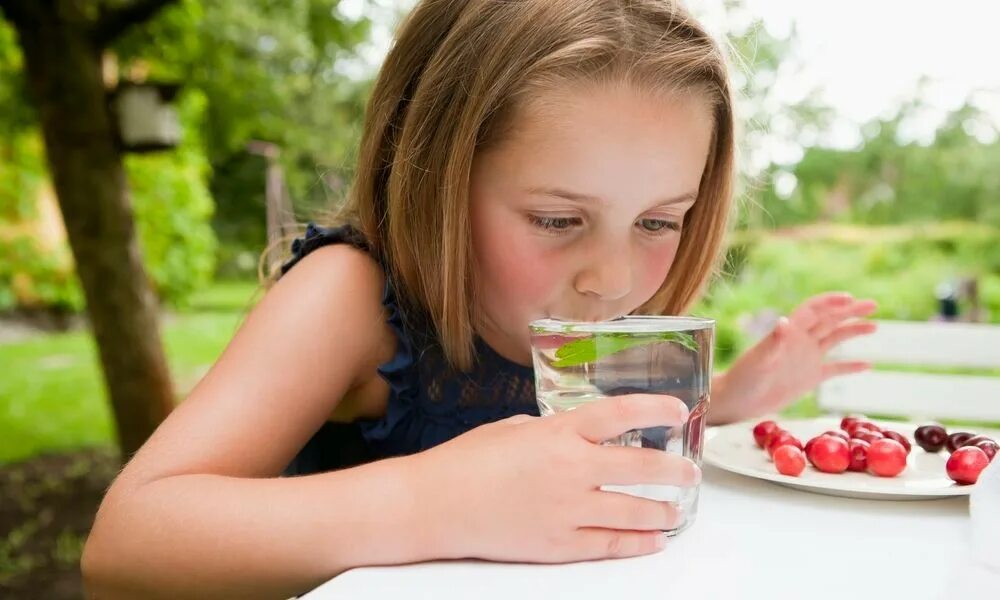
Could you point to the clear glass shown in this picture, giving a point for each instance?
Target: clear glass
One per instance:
(578, 362)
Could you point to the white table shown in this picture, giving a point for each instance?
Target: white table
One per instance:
(752, 539)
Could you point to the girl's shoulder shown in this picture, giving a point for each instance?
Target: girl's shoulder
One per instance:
(338, 279)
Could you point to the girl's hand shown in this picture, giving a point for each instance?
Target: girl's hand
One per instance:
(789, 361)
(528, 488)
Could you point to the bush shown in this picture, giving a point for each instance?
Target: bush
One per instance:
(173, 211)
(899, 267)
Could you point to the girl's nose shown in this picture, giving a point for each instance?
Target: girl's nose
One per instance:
(606, 276)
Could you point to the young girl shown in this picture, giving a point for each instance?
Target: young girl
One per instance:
(520, 160)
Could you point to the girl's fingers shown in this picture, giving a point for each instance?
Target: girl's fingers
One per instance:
(845, 332)
(595, 543)
(826, 323)
(832, 369)
(611, 417)
(622, 465)
(807, 314)
(614, 510)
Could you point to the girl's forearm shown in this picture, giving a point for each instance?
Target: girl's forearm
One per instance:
(215, 536)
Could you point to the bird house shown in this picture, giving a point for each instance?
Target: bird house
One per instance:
(147, 118)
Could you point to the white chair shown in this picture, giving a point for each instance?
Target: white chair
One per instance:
(972, 397)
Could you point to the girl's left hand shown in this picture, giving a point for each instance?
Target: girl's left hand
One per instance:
(790, 360)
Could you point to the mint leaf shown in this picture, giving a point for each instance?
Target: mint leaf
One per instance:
(601, 345)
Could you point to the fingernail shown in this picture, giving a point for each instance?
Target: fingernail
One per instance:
(678, 517)
(661, 541)
(685, 413)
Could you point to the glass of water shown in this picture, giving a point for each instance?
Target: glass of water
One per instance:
(579, 362)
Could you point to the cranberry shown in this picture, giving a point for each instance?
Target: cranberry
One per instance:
(870, 426)
(839, 434)
(762, 430)
(886, 458)
(931, 437)
(957, 440)
(974, 441)
(856, 427)
(789, 460)
(849, 420)
(872, 436)
(859, 432)
(780, 439)
(965, 464)
(829, 454)
(859, 455)
(899, 437)
(989, 447)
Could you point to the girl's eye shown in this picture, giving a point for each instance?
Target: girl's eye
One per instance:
(658, 225)
(555, 223)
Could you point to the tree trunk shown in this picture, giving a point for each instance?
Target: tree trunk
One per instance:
(63, 67)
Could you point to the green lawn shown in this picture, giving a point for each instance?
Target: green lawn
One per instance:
(51, 393)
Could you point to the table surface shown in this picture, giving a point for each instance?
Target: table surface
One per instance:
(752, 539)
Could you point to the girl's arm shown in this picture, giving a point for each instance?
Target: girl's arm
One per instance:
(199, 509)
(200, 513)
(791, 360)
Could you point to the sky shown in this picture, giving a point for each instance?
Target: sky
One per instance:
(863, 56)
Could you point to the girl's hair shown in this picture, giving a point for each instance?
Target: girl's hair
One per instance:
(458, 72)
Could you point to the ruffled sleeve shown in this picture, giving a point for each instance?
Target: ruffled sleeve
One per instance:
(316, 237)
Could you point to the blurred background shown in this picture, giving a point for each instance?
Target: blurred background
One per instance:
(870, 163)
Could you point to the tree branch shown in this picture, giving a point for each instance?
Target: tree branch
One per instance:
(113, 22)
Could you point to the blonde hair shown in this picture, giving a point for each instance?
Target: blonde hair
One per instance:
(452, 84)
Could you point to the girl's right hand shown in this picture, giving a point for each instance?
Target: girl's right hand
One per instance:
(528, 488)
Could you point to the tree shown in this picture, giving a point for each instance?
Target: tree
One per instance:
(62, 43)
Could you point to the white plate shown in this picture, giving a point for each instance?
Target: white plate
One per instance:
(732, 448)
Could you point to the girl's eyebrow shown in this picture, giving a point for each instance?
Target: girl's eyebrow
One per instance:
(686, 198)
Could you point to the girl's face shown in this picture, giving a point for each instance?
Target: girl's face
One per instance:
(577, 213)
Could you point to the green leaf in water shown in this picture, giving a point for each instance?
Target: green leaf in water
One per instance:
(601, 345)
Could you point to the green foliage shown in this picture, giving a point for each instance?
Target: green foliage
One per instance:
(890, 180)
(22, 173)
(270, 71)
(173, 210)
(36, 277)
(899, 267)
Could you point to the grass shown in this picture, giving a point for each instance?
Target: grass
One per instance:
(52, 396)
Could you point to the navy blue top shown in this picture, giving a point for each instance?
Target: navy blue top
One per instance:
(429, 401)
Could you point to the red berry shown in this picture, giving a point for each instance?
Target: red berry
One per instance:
(931, 437)
(762, 430)
(780, 439)
(974, 441)
(957, 440)
(899, 437)
(886, 458)
(872, 436)
(789, 460)
(854, 428)
(839, 434)
(849, 420)
(859, 455)
(856, 433)
(989, 447)
(829, 454)
(965, 465)
(870, 426)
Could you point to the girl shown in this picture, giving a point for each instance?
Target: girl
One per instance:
(520, 159)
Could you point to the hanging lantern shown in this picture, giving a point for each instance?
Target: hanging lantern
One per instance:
(147, 119)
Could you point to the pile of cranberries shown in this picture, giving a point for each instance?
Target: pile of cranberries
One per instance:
(970, 453)
(863, 446)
